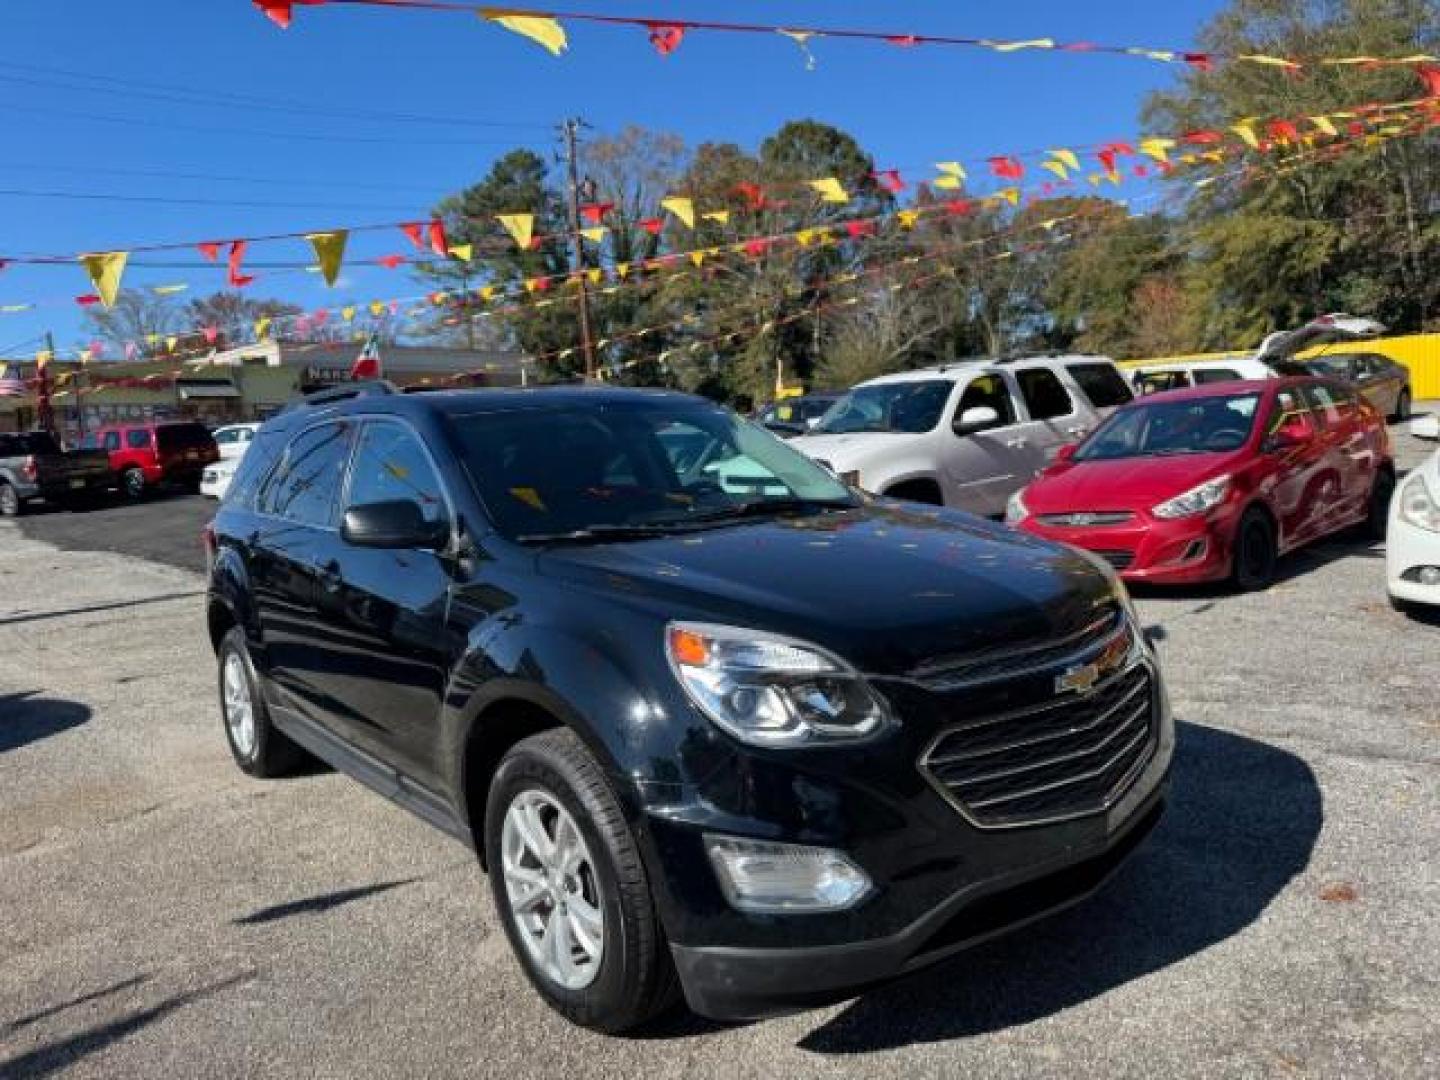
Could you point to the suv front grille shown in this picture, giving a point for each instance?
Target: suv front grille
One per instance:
(949, 674)
(1073, 756)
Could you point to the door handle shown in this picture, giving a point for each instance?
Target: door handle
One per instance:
(1076, 432)
(330, 576)
(1017, 444)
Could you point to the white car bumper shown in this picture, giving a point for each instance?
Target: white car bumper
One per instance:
(1409, 551)
(214, 482)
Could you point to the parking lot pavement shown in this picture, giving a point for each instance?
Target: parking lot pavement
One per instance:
(164, 528)
(161, 914)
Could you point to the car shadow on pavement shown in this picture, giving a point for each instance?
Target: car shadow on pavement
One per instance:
(1243, 819)
(27, 717)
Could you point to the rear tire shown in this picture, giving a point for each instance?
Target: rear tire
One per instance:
(1255, 552)
(611, 970)
(132, 484)
(259, 749)
(1377, 516)
(11, 505)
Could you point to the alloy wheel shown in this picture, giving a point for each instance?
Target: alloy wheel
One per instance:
(239, 709)
(552, 889)
(134, 481)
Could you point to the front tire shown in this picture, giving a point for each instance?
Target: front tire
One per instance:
(1377, 515)
(571, 889)
(258, 747)
(11, 505)
(1256, 552)
(132, 484)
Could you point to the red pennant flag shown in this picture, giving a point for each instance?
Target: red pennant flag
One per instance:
(1165, 166)
(210, 251)
(1007, 167)
(1199, 61)
(237, 252)
(958, 207)
(858, 229)
(1284, 131)
(757, 248)
(211, 333)
(666, 37)
(654, 226)
(281, 12)
(1430, 76)
(438, 243)
(390, 262)
(1202, 138)
(416, 232)
(1142, 170)
(889, 179)
(904, 41)
(1079, 46)
(594, 213)
(320, 316)
(753, 193)
(88, 300)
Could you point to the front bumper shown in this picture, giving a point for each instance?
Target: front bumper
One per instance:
(751, 983)
(1147, 549)
(1408, 549)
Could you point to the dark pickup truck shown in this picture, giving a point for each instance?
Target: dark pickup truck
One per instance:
(32, 466)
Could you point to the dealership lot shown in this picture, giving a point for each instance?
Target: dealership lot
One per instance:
(161, 912)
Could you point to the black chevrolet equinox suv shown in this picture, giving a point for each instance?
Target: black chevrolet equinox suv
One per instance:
(715, 723)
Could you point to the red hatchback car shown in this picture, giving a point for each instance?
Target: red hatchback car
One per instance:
(1217, 481)
(148, 455)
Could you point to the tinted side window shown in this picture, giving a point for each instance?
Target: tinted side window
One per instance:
(988, 391)
(1101, 383)
(255, 467)
(112, 440)
(305, 486)
(1215, 374)
(390, 464)
(1044, 394)
(138, 439)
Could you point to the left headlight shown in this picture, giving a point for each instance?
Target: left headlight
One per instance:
(1417, 507)
(1015, 510)
(1197, 500)
(769, 690)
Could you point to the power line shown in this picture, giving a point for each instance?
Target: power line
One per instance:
(167, 174)
(166, 200)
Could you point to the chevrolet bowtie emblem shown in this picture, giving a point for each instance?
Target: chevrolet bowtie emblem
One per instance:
(1081, 679)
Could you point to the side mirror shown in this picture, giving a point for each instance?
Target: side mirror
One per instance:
(973, 421)
(1066, 453)
(399, 523)
(1283, 440)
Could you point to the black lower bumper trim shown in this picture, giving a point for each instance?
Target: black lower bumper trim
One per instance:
(749, 984)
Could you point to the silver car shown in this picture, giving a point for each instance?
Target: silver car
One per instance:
(1384, 383)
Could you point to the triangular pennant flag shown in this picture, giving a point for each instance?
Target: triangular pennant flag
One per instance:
(1270, 61)
(236, 278)
(211, 251)
(281, 12)
(329, 252)
(415, 232)
(622, 270)
(1159, 149)
(1324, 125)
(907, 218)
(390, 262)
(802, 39)
(171, 342)
(889, 180)
(1010, 195)
(377, 309)
(106, 270)
(948, 182)
(541, 29)
(1016, 46)
(666, 37)
(682, 208)
(212, 333)
(595, 276)
(168, 290)
(1245, 129)
(1430, 76)
(595, 213)
(698, 258)
(487, 293)
(830, 190)
(1007, 168)
(720, 216)
(951, 168)
(596, 235)
(348, 313)
(1056, 167)
(439, 244)
(521, 228)
(262, 326)
(1068, 158)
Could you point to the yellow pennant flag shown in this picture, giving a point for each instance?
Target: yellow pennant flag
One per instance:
(462, 251)
(1016, 46)
(487, 293)
(171, 342)
(1066, 158)
(377, 308)
(682, 208)
(1056, 167)
(1162, 55)
(106, 270)
(1159, 149)
(595, 235)
(521, 228)
(1270, 61)
(830, 190)
(1010, 195)
(952, 168)
(1245, 129)
(329, 252)
(348, 313)
(595, 276)
(541, 29)
(531, 284)
(720, 216)
(1094, 179)
(1324, 125)
(168, 290)
(42, 358)
(698, 258)
(948, 182)
(907, 218)
(262, 325)
(622, 270)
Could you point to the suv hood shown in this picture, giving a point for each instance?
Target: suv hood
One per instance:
(886, 588)
(1122, 484)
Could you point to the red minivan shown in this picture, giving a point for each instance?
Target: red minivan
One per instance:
(147, 455)
(1217, 481)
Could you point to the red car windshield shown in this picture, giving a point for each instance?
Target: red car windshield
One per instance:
(1207, 425)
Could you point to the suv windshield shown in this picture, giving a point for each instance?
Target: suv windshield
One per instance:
(583, 472)
(1209, 425)
(907, 407)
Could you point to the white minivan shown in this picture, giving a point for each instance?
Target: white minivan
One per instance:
(968, 434)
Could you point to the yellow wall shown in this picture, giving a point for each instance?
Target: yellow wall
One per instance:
(1418, 352)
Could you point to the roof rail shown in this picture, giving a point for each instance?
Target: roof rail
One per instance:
(345, 392)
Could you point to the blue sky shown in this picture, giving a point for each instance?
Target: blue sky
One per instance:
(89, 109)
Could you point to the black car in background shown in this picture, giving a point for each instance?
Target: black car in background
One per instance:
(797, 415)
(765, 748)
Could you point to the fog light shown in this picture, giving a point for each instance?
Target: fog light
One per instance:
(759, 876)
(1430, 575)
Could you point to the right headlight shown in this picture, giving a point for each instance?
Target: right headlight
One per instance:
(1016, 510)
(1416, 506)
(1197, 500)
(769, 690)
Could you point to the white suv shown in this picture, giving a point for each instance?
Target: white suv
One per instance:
(968, 434)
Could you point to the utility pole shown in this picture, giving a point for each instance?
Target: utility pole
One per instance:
(570, 130)
(42, 394)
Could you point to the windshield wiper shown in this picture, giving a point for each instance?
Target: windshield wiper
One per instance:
(603, 533)
(762, 507)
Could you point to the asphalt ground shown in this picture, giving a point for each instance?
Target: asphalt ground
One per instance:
(163, 915)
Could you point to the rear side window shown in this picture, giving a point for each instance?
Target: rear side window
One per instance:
(1215, 374)
(137, 439)
(260, 459)
(1101, 383)
(182, 436)
(305, 487)
(1045, 395)
(112, 440)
